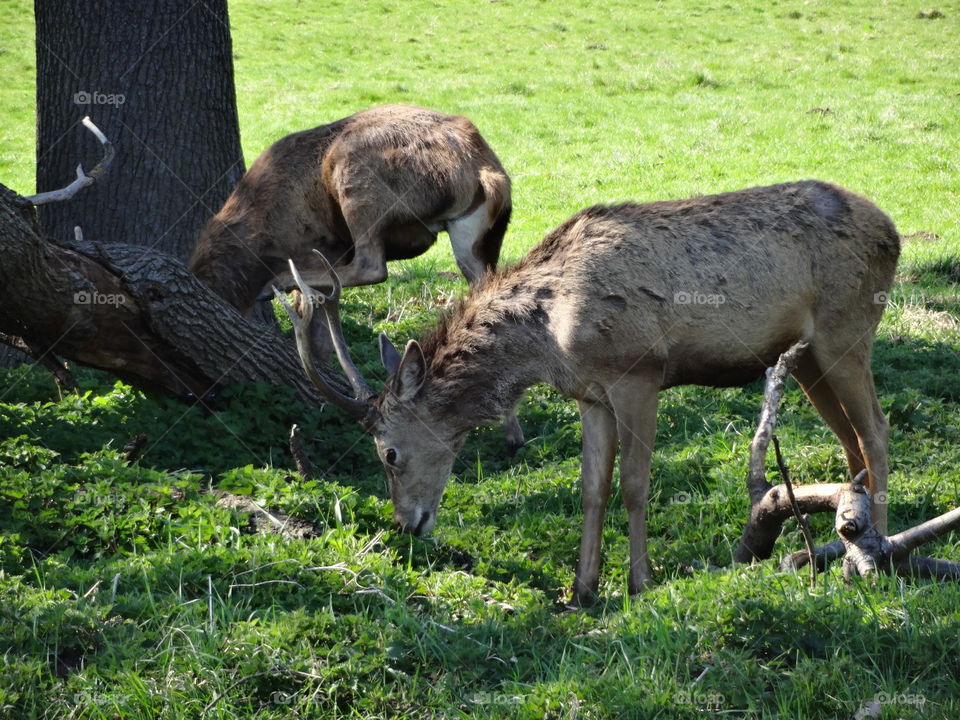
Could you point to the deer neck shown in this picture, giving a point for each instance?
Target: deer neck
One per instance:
(485, 361)
(228, 261)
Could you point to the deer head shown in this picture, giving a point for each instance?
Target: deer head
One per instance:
(415, 441)
(415, 444)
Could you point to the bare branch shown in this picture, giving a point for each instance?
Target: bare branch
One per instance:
(864, 549)
(44, 357)
(903, 543)
(767, 516)
(927, 567)
(299, 453)
(821, 556)
(801, 518)
(867, 550)
(266, 522)
(757, 483)
(83, 180)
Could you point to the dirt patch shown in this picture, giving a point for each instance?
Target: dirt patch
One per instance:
(920, 236)
(265, 522)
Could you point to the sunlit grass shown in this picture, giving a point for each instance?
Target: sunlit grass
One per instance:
(128, 592)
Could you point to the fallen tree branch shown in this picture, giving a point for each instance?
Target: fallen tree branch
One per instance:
(762, 531)
(268, 523)
(864, 549)
(131, 310)
(43, 357)
(908, 540)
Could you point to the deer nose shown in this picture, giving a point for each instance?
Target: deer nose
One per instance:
(424, 519)
(414, 529)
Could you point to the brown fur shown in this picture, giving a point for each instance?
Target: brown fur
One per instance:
(598, 310)
(375, 186)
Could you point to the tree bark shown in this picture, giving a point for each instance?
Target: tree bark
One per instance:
(157, 78)
(136, 312)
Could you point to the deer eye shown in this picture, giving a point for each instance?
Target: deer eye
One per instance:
(390, 456)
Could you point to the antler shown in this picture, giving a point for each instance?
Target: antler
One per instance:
(358, 406)
(83, 180)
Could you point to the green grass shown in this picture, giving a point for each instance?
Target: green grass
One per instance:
(127, 592)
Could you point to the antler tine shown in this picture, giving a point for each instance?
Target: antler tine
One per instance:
(301, 332)
(331, 309)
(83, 179)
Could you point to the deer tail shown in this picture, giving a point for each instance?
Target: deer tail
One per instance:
(496, 189)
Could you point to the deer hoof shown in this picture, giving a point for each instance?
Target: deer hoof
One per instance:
(513, 445)
(515, 438)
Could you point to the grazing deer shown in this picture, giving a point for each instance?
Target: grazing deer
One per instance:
(372, 187)
(622, 301)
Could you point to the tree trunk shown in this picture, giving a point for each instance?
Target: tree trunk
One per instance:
(134, 311)
(157, 78)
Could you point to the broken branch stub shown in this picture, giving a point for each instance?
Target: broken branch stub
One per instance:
(761, 531)
(83, 179)
(867, 551)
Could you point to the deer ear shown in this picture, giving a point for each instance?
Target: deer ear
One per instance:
(388, 354)
(411, 373)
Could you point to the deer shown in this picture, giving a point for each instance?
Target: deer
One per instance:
(373, 187)
(622, 301)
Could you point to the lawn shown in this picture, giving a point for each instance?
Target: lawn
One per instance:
(128, 591)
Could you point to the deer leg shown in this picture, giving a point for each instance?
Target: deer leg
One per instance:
(851, 380)
(369, 263)
(599, 446)
(635, 403)
(466, 235)
(368, 267)
(823, 399)
(515, 438)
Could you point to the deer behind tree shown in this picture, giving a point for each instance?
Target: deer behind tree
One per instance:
(376, 186)
(372, 187)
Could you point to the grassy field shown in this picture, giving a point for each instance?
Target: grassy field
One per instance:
(127, 592)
